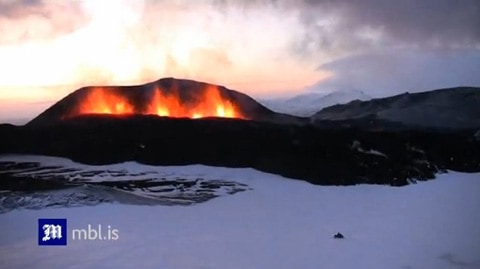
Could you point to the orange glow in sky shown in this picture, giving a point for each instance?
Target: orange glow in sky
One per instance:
(49, 50)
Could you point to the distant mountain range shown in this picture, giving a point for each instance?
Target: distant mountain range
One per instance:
(439, 109)
(305, 105)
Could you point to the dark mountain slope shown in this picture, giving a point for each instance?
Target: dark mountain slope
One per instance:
(444, 109)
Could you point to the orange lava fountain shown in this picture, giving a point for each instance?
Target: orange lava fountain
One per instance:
(207, 103)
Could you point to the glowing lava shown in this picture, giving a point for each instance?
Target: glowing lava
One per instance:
(99, 101)
(205, 103)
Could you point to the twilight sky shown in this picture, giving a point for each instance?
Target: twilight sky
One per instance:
(265, 48)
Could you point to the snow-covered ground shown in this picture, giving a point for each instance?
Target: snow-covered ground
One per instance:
(68, 184)
(278, 223)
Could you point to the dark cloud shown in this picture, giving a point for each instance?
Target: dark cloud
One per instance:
(421, 45)
(420, 21)
(426, 23)
(393, 71)
(344, 27)
(14, 9)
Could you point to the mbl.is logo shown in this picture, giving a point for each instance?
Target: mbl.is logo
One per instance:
(52, 232)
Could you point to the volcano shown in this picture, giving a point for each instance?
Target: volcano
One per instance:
(167, 97)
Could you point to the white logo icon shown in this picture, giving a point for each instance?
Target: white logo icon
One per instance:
(51, 231)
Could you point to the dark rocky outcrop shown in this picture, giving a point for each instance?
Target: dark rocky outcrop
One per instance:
(338, 236)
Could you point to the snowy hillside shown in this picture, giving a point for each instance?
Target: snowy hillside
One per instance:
(275, 223)
(306, 105)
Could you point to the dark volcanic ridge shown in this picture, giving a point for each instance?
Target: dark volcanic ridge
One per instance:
(167, 97)
(452, 108)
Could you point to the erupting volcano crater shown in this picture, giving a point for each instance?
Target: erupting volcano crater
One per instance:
(168, 97)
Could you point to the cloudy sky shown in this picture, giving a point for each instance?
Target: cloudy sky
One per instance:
(265, 48)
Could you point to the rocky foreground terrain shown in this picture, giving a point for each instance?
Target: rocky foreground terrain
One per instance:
(333, 156)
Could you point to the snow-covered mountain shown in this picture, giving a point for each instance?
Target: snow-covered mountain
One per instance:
(307, 104)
